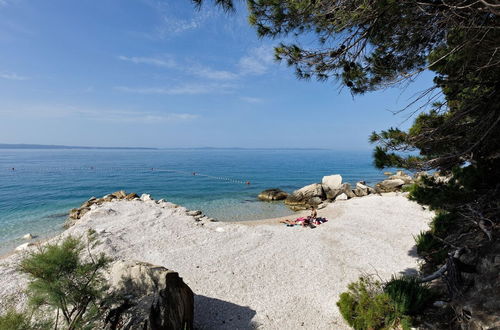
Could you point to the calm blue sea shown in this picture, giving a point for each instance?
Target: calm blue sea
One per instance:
(37, 195)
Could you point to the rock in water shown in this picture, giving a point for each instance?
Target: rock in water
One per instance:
(306, 197)
(272, 195)
(332, 185)
(153, 297)
(28, 236)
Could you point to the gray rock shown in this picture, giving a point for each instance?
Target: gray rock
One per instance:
(305, 197)
(150, 297)
(120, 194)
(131, 196)
(402, 176)
(390, 185)
(272, 195)
(346, 189)
(363, 190)
(194, 213)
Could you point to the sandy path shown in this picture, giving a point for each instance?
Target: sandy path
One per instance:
(261, 274)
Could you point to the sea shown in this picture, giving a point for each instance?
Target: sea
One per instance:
(39, 186)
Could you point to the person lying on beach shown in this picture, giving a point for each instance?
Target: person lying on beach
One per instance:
(289, 223)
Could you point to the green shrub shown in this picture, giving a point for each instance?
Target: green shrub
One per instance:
(426, 243)
(408, 295)
(66, 281)
(13, 320)
(442, 223)
(366, 306)
(430, 248)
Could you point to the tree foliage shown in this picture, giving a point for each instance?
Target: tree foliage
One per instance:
(65, 280)
(373, 44)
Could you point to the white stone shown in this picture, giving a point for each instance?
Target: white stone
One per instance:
(332, 181)
(219, 229)
(28, 236)
(332, 185)
(24, 246)
(341, 197)
(146, 197)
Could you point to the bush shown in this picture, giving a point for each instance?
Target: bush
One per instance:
(66, 281)
(13, 320)
(442, 223)
(366, 306)
(426, 243)
(408, 295)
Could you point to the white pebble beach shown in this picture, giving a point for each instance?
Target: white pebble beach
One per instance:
(260, 274)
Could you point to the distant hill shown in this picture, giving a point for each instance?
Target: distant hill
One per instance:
(44, 146)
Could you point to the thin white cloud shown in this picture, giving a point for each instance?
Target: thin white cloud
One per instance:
(209, 73)
(107, 115)
(12, 76)
(191, 68)
(257, 61)
(250, 99)
(175, 19)
(186, 89)
(161, 62)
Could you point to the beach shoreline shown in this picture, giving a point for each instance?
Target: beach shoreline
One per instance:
(233, 267)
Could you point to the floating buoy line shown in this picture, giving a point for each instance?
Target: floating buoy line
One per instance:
(94, 169)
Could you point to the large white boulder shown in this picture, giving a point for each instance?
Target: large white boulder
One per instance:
(332, 185)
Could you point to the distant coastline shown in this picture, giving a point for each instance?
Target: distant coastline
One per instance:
(46, 146)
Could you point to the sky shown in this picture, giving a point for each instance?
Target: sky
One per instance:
(153, 73)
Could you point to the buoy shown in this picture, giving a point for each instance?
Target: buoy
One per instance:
(248, 182)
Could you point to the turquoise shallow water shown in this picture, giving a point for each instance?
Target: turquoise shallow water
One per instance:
(36, 196)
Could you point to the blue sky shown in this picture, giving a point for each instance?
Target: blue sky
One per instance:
(162, 74)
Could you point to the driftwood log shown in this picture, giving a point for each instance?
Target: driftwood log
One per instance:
(451, 272)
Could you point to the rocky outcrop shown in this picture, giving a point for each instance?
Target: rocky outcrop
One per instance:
(363, 190)
(305, 197)
(272, 195)
(332, 185)
(149, 297)
(398, 181)
(400, 175)
(78, 213)
(390, 185)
